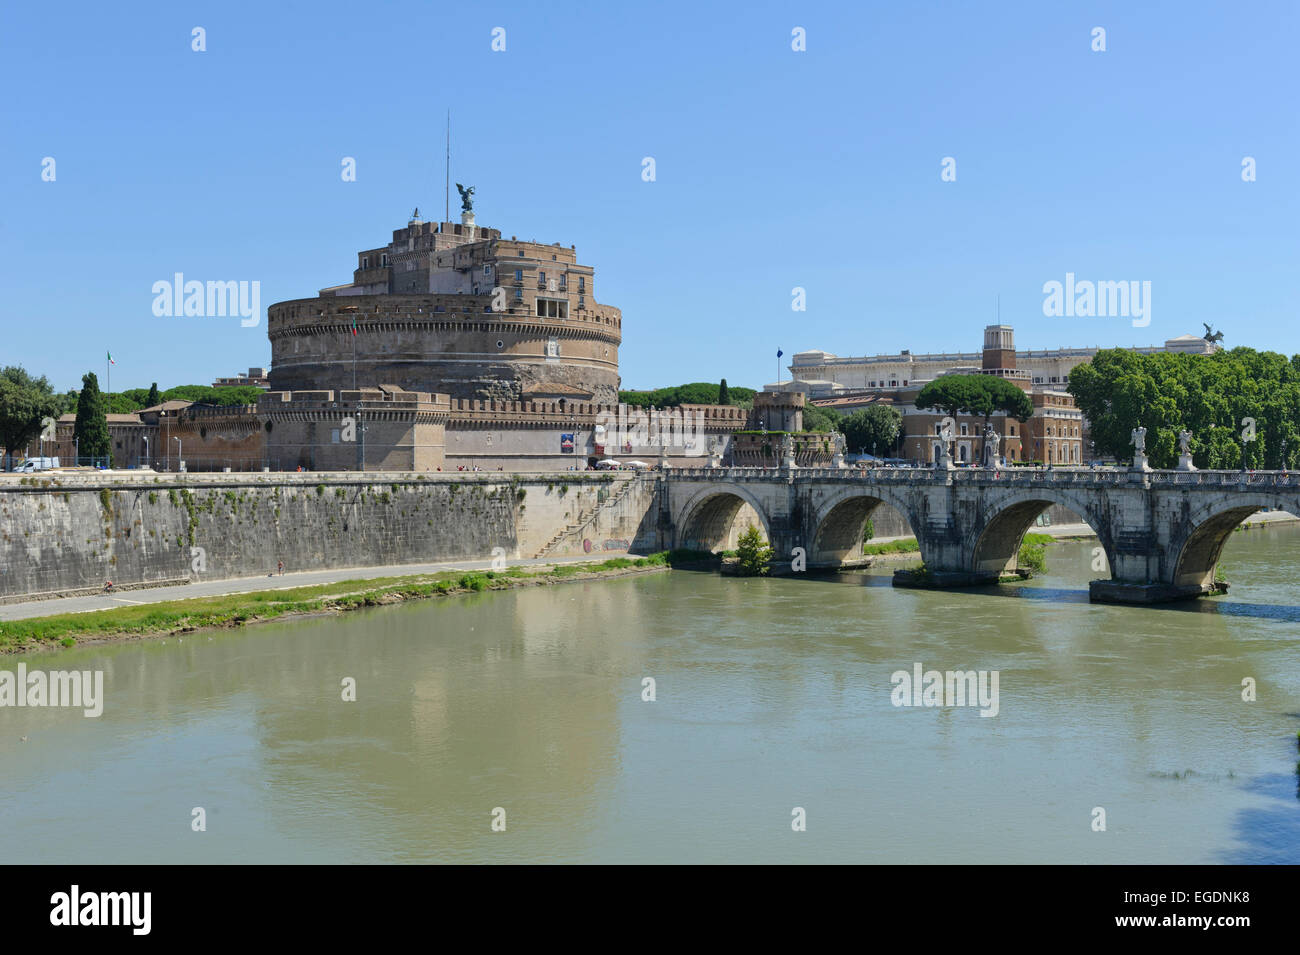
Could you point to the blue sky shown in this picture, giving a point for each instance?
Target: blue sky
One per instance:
(775, 169)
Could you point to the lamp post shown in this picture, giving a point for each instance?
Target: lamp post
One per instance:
(180, 453)
(145, 439)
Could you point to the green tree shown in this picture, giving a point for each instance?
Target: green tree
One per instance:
(875, 429)
(24, 402)
(91, 428)
(724, 395)
(977, 395)
(153, 398)
(754, 553)
(822, 420)
(1209, 395)
(696, 392)
(208, 395)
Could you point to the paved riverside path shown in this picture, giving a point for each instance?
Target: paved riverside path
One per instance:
(243, 585)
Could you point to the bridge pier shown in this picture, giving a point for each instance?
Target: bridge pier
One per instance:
(1124, 592)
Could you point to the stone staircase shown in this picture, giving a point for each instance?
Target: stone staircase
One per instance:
(586, 522)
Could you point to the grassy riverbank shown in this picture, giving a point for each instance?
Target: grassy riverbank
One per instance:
(232, 610)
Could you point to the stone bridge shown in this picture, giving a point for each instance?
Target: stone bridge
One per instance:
(1162, 531)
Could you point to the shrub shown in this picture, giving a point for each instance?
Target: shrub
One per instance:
(754, 553)
(1033, 553)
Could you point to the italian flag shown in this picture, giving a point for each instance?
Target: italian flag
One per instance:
(110, 358)
(354, 326)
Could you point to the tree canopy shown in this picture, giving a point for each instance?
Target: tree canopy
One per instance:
(976, 395)
(821, 419)
(1209, 395)
(24, 402)
(694, 393)
(874, 429)
(91, 430)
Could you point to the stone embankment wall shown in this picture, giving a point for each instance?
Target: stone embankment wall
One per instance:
(61, 532)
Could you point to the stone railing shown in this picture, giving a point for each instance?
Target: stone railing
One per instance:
(1084, 477)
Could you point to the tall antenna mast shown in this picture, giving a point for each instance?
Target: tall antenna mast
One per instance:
(446, 214)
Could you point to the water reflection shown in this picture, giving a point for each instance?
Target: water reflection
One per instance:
(771, 694)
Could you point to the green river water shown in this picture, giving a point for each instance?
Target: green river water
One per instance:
(770, 695)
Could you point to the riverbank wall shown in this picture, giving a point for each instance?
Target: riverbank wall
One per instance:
(65, 532)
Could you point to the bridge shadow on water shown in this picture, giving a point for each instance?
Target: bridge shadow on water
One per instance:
(1212, 605)
(1270, 834)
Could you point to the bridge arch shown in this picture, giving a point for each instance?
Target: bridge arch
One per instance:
(995, 541)
(707, 521)
(1208, 528)
(839, 522)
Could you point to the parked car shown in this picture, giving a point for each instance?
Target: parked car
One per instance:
(32, 465)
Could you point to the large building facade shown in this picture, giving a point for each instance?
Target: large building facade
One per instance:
(454, 309)
(452, 348)
(821, 374)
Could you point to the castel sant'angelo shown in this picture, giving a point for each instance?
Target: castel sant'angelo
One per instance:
(455, 309)
(452, 348)
(456, 347)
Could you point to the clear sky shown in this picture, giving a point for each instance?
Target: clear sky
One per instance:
(818, 169)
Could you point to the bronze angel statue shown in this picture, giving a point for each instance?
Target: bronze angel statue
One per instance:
(466, 198)
(1211, 335)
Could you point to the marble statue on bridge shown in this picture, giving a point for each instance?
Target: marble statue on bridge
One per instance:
(1138, 438)
(1185, 451)
(992, 442)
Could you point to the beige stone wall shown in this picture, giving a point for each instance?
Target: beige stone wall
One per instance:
(368, 429)
(447, 344)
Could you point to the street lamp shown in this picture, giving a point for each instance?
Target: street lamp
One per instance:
(145, 439)
(180, 453)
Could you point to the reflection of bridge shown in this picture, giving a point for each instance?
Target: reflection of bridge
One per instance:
(1162, 531)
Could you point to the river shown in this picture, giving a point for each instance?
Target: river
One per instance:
(771, 695)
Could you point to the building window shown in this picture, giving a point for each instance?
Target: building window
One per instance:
(963, 431)
(365, 261)
(582, 283)
(334, 436)
(519, 295)
(519, 275)
(551, 308)
(487, 270)
(383, 259)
